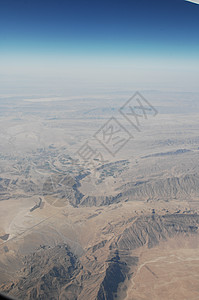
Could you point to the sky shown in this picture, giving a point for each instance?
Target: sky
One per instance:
(143, 43)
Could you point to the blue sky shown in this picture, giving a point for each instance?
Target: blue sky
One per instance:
(97, 39)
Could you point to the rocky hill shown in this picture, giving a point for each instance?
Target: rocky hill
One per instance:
(56, 273)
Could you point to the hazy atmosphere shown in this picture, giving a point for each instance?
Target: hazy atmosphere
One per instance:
(57, 46)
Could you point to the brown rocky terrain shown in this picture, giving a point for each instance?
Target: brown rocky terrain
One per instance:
(56, 273)
(123, 227)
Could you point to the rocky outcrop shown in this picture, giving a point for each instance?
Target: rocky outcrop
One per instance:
(45, 273)
(56, 273)
(179, 151)
(146, 230)
(150, 230)
(185, 187)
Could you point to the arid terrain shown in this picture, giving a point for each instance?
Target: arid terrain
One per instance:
(86, 215)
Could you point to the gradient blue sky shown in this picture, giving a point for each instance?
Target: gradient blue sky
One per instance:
(140, 41)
